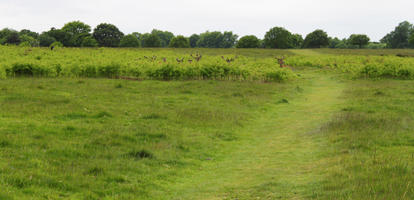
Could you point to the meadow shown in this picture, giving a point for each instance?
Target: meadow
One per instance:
(105, 123)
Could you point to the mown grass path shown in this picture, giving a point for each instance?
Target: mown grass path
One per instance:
(279, 155)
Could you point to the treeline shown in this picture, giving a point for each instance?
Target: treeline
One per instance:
(79, 34)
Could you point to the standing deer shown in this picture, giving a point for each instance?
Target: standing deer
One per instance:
(281, 61)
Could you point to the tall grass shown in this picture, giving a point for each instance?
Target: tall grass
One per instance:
(140, 64)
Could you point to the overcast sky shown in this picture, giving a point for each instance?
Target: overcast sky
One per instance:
(339, 18)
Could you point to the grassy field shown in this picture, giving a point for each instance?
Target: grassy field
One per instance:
(318, 135)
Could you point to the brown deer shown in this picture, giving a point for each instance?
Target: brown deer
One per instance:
(281, 61)
(180, 60)
(197, 57)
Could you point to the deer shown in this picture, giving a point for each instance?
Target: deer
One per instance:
(180, 60)
(229, 60)
(281, 61)
(197, 57)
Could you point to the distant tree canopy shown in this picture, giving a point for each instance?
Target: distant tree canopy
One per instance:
(89, 41)
(165, 37)
(179, 42)
(411, 40)
(248, 41)
(129, 41)
(297, 41)
(399, 38)
(359, 39)
(76, 31)
(29, 33)
(316, 39)
(78, 34)
(278, 38)
(217, 39)
(107, 35)
(193, 40)
(45, 39)
(150, 40)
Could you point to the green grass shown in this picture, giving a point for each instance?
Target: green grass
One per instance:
(75, 138)
(318, 136)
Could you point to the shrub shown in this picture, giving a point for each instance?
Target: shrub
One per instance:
(316, 39)
(249, 41)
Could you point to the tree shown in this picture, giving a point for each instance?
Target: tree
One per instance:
(76, 28)
(46, 40)
(359, 39)
(13, 38)
(29, 33)
(278, 38)
(89, 41)
(400, 36)
(137, 35)
(5, 32)
(333, 42)
(164, 36)
(193, 40)
(316, 39)
(107, 35)
(150, 40)
(77, 31)
(229, 39)
(411, 40)
(297, 41)
(249, 41)
(129, 41)
(28, 41)
(60, 36)
(179, 42)
(210, 40)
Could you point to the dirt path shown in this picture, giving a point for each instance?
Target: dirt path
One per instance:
(278, 157)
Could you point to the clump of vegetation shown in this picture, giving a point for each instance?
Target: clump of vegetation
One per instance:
(141, 154)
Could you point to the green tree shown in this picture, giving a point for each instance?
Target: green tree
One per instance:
(29, 33)
(89, 41)
(316, 39)
(193, 40)
(248, 41)
(13, 38)
(45, 39)
(129, 41)
(107, 35)
(137, 35)
(411, 40)
(150, 40)
(333, 42)
(229, 40)
(297, 41)
(400, 36)
(76, 30)
(60, 36)
(278, 38)
(164, 36)
(359, 39)
(5, 32)
(29, 41)
(210, 40)
(179, 42)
